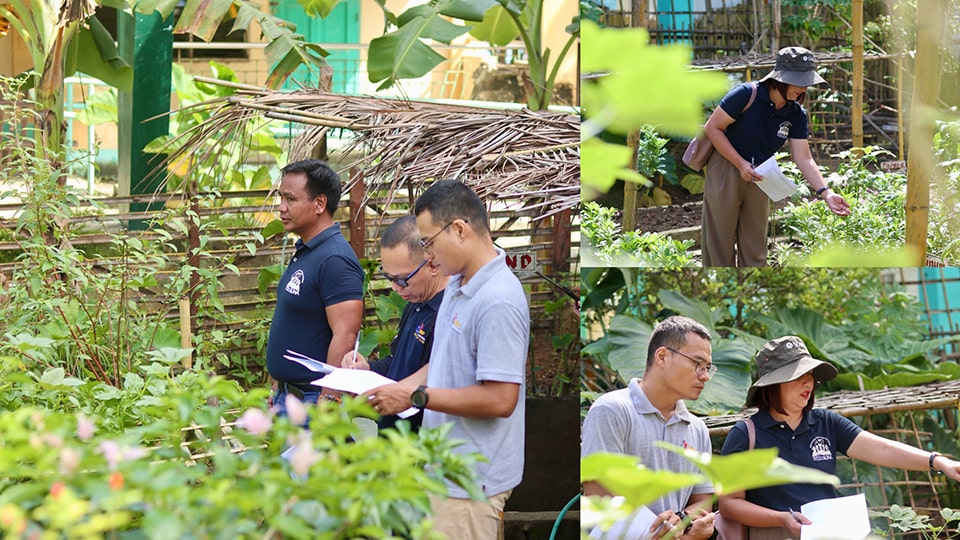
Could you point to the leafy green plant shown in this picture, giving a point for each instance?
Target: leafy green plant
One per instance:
(876, 220)
(180, 467)
(220, 165)
(906, 520)
(606, 244)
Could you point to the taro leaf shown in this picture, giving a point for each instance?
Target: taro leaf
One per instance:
(624, 475)
(602, 164)
(674, 103)
(628, 339)
(750, 470)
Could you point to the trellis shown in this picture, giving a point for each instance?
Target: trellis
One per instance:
(891, 413)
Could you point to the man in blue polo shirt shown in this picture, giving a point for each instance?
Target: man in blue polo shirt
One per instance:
(417, 281)
(320, 295)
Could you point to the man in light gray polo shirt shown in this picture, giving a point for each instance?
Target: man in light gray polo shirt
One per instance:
(631, 420)
(476, 375)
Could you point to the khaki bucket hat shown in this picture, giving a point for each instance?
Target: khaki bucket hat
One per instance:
(796, 66)
(785, 359)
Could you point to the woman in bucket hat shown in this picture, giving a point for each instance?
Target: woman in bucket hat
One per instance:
(786, 420)
(750, 125)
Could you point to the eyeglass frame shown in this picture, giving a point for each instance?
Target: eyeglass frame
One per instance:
(428, 243)
(403, 282)
(710, 371)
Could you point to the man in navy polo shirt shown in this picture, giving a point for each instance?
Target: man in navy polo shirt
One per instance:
(415, 279)
(320, 295)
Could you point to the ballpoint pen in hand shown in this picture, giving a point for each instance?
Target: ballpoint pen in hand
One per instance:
(795, 516)
(356, 346)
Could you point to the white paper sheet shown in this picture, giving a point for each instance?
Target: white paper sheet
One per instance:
(315, 366)
(635, 527)
(357, 381)
(774, 183)
(844, 518)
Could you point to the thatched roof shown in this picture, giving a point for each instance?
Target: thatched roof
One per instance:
(529, 158)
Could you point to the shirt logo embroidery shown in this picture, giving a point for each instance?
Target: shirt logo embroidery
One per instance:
(784, 130)
(293, 286)
(820, 449)
(455, 324)
(421, 334)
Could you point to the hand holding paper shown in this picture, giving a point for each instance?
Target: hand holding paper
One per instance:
(774, 183)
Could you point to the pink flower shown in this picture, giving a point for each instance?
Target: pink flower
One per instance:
(255, 421)
(296, 410)
(303, 457)
(85, 427)
(69, 460)
(114, 453)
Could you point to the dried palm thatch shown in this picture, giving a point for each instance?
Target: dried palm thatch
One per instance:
(528, 158)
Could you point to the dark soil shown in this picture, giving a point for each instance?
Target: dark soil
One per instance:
(685, 211)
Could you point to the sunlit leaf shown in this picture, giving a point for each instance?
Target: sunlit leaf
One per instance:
(626, 476)
(602, 164)
(651, 85)
(497, 28)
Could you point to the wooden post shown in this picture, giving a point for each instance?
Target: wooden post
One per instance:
(629, 219)
(358, 218)
(186, 337)
(857, 114)
(922, 116)
(561, 242)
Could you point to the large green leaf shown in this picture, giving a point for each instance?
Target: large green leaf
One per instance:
(428, 24)
(852, 381)
(751, 470)
(467, 10)
(628, 339)
(318, 8)
(400, 55)
(497, 28)
(672, 95)
(692, 308)
(100, 108)
(600, 286)
(626, 476)
(602, 164)
(94, 52)
(202, 17)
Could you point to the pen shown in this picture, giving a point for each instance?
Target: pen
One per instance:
(795, 516)
(356, 346)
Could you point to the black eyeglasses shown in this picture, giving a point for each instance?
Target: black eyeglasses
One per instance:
(403, 281)
(702, 370)
(428, 243)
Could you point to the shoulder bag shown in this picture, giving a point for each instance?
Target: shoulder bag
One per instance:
(700, 148)
(728, 529)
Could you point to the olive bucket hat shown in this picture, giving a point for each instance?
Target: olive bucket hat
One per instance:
(796, 66)
(785, 359)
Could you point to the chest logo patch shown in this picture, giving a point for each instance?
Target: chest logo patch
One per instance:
(293, 286)
(820, 449)
(421, 334)
(784, 130)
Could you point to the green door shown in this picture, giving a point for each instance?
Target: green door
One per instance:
(341, 26)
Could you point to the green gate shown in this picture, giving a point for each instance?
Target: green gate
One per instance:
(342, 26)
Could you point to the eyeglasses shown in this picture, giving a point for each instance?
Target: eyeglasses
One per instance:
(702, 370)
(428, 243)
(403, 281)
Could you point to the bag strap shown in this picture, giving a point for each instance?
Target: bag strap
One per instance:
(751, 432)
(753, 96)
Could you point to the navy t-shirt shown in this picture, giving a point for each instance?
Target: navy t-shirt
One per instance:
(814, 444)
(322, 272)
(410, 349)
(761, 130)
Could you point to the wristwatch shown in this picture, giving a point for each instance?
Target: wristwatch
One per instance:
(419, 397)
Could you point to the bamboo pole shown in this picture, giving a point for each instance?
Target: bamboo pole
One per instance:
(922, 116)
(857, 113)
(186, 338)
(629, 218)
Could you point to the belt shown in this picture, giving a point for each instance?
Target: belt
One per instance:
(296, 390)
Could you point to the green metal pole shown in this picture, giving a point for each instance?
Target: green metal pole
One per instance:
(146, 43)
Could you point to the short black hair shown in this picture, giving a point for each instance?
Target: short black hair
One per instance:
(403, 231)
(782, 88)
(321, 180)
(767, 398)
(448, 200)
(672, 333)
